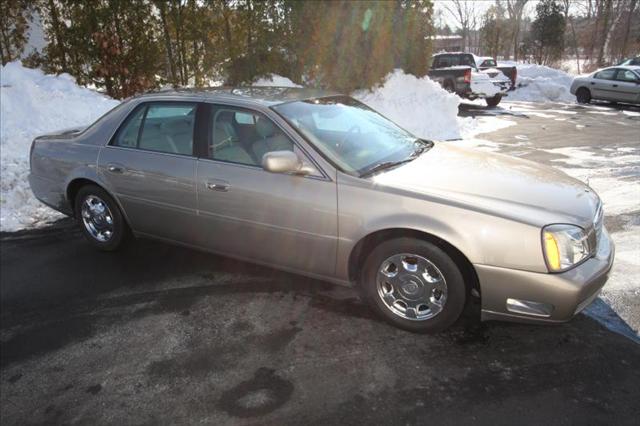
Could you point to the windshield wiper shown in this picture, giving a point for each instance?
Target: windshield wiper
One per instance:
(385, 165)
(424, 145)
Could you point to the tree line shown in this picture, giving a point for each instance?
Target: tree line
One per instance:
(125, 46)
(596, 32)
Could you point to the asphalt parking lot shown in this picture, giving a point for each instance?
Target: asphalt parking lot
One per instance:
(162, 334)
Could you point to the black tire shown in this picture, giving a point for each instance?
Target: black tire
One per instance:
(120, 230)
(448, 86)
(456, 290)
(493, 101)
(583, 95)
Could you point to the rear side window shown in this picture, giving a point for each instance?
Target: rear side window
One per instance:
(626, 75)
(160, 127)
(128, 135)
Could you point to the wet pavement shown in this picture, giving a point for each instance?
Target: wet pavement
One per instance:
(162, 334)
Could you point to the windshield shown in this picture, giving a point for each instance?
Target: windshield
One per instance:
(351, 135)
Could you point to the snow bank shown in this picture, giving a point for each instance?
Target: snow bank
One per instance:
(32, 104)
(539, 83)
(418, 104)
(275, 80)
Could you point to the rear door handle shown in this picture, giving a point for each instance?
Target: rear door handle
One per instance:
(592, 83)
(217, 185)
(615, 85)
(115, 168)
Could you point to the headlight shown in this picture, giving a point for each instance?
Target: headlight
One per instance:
(564, 246)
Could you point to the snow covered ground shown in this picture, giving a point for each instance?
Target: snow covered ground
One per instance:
(275, 80)
(33, 104)
(539, 83)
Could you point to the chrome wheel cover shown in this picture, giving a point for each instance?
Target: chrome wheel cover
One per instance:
(411, 287)
(97, 218)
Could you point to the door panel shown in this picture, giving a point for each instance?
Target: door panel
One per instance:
(156, 190)
(282, 219)
(602, 84)
(626, 86)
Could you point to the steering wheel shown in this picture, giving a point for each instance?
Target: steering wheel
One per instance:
(351, 130)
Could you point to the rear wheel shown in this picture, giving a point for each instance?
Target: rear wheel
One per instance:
(448, 86)
(583, 95)
(494, 101)
(414, 285)
(100, 218)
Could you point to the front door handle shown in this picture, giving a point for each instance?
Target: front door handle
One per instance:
(615, 85)
(217, 185)
(592, 83)
(115, 168)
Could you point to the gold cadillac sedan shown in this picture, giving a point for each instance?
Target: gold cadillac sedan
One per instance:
(321, 185)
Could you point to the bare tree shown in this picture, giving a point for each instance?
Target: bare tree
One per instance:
(464, 12)
(569, 19)
(617, 13)
(515, 9)
(627, 27)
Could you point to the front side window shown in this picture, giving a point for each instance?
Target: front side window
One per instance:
(351, 135)
(243, 136)
(160, 127)
(605, 74)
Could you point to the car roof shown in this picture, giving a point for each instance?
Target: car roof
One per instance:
(635, 68)
(261, 95)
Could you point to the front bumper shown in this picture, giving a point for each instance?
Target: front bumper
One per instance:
(561, 296)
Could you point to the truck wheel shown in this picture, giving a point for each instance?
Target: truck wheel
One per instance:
(494, 101)
(448, 86)
(413, 284)
(583, 95)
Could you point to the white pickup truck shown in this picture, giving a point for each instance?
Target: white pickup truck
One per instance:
(472, 77)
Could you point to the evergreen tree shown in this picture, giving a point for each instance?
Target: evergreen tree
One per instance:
(547, 32)
(14, 23)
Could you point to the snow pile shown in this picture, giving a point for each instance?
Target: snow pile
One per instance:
(275, 80)
(417, 104)
(32, 104)
(538, 83)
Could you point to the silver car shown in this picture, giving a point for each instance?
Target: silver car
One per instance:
(615, 84)
(321, 185)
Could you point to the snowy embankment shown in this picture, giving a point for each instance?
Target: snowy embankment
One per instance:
(34, 104)
(539, 83)
(419, 105)
(275, 80)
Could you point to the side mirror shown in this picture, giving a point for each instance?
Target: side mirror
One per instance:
(285, 162)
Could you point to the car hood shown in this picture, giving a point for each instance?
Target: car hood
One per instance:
(501, 185)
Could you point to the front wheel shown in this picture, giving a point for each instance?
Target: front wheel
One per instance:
(493, 101)
(414, 285)
(100, 218)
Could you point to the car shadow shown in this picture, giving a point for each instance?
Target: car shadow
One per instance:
(466, 109)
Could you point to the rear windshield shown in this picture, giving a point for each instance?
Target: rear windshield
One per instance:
(488, 63)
